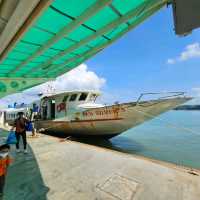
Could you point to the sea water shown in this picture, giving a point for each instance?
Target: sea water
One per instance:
(173, 137)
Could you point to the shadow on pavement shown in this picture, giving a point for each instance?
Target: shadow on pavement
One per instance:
(24, 180)
(119, 143)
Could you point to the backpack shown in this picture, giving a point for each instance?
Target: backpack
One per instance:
(11, 139)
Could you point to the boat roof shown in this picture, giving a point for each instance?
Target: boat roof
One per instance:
(14, 109)
(49, 95)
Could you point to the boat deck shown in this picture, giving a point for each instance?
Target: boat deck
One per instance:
(71, 170)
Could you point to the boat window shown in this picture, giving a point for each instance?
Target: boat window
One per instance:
(73, 97)
(83, 96)
(65, 98)
(93, 97)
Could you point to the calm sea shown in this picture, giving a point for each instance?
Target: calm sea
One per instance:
(172, 137)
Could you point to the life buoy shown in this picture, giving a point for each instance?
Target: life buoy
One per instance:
(61, 106)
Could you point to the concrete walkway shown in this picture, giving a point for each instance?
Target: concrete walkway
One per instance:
(70, 170)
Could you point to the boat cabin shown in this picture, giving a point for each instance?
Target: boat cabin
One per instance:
(64, 104)
(10, 114)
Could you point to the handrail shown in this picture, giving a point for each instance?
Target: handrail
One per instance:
(174, 94)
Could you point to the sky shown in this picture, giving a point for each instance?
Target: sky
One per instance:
(150, 58)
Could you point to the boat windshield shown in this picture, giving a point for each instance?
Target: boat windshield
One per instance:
(93, 97)
(73, 97)
(83, 96)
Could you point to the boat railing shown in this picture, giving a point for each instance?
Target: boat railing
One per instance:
(167, 95)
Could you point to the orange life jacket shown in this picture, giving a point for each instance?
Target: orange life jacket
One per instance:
(4, 162)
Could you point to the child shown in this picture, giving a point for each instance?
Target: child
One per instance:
(4, 163)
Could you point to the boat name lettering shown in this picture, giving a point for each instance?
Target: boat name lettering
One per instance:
(104, 112)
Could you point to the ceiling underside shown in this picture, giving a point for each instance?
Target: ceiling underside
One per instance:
(64, 34)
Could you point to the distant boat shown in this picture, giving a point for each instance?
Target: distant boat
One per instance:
(188, 107)
(75, 113)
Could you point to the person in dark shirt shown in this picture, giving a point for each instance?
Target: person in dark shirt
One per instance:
(20, 124)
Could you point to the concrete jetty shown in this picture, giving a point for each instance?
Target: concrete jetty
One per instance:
(57, 170)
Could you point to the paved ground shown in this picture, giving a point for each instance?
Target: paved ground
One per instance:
(70, 170)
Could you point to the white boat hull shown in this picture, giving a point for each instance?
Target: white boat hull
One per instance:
(109, 121)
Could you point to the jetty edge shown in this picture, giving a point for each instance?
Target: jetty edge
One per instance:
(74, 170)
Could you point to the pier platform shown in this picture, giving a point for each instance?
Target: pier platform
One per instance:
(69, 170)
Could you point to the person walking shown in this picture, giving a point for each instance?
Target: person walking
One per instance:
(4, 163)
(32, 119)
(20, 124)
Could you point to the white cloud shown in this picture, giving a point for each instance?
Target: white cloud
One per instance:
(191, 51)
(196, 91)
(77, 79)
(171, 61)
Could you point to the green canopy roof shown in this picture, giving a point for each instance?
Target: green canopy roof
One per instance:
(66, 34)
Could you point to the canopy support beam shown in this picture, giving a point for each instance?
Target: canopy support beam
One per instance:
(92, 10)
(148, 12)
(104, 30)
(20, 22)
(96, 50)
(13, 85)
(109, 27)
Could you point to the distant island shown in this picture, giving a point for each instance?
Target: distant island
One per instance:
(188, 107)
